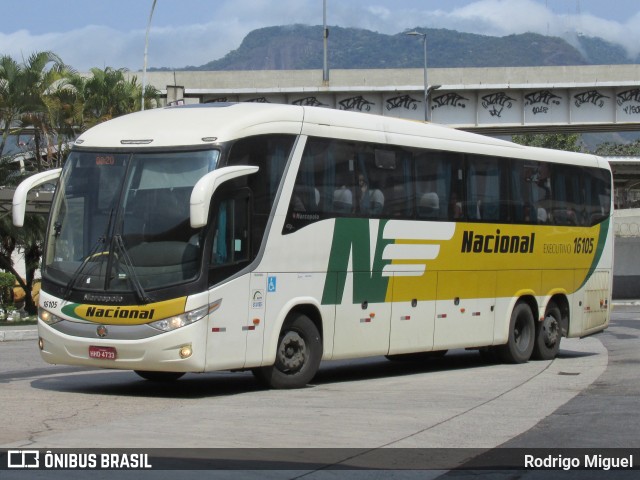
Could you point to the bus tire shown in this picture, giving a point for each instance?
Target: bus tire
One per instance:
(159, 376)
(522, 332)
(548, 334)
(297, 357)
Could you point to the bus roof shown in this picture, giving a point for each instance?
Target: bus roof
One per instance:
(210, 123)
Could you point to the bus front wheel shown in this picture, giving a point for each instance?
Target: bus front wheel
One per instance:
(297, 357)
(548, 334)
(521, 340)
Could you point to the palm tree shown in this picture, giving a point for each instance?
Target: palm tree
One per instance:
(57, 103)
(11, 94)
(109, 94)
(43, 74)
(65, 112)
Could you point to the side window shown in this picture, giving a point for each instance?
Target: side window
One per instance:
(439, 185)
(268, 152)
(341, 178)
(398, 186)
(597, 195)
(385, 181)
(231, 232)
(230, 246)
(484, 189)
(530, 196)
(567, 204)
(372, 168)
(326, 181)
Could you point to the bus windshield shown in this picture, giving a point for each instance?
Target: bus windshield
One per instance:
(120, 221)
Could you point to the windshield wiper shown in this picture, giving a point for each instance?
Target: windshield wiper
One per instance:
(131, 271)
(102, 240)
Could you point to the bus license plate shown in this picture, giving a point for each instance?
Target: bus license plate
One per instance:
(102, 353)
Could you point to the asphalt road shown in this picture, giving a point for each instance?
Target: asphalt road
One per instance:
(586, 398)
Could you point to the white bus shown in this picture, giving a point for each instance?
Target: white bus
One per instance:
(271, 237)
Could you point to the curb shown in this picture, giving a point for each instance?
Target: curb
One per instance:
(18, 335)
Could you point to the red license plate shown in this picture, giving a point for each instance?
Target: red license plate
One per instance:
(102, 353)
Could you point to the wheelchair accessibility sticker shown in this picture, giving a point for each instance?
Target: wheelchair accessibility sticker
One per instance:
(271, 284)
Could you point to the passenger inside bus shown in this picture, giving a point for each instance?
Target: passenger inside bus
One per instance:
(342, 200)
(429, 206)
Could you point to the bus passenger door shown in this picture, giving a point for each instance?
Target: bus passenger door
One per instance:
(465, 309)
(361, 325)
(232, 321)
(226, 346)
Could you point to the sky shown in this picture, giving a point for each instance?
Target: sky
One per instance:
(101, 33)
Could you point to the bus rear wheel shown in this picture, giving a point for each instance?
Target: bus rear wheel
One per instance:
(521, 340)
(548, 334)
(159, 376)
(297, 357)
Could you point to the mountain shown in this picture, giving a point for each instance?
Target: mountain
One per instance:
(296, 47)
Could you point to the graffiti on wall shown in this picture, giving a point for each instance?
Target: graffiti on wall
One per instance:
(451, 99)
(495, 103)
(402, 101)
(594, 97)
(629, 100)
(309, 102)
(258, 100)
(358, 103)
(541, 101)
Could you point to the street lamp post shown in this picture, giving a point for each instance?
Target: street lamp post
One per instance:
(426, 85)
(146, 48)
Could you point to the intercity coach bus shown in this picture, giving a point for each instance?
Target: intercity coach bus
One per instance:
(270, 237)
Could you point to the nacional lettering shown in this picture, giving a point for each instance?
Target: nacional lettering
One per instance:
(498, 243)
(118, 312)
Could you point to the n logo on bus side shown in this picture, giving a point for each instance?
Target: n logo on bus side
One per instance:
(375, 251)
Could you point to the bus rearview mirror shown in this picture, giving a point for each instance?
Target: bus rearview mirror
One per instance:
(20, 195)
(205, 188)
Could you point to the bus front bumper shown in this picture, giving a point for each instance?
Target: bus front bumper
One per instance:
(181, 350)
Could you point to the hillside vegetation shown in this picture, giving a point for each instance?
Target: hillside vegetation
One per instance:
(297, 47)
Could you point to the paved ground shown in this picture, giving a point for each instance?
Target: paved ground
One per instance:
(584, 398)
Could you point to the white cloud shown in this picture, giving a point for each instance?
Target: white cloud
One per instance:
(215, 32)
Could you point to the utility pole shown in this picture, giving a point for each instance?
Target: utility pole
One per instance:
(146, 48)
(325, 34)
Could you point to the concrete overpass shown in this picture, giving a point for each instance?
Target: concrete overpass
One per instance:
(491, 100)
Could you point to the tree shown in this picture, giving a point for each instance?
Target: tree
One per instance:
(65, 112)
(619, 150)
(109, 94)
(55, 103)
(558, 141)
(43, 74)
(30, 237)
(7, 281)
(11, 96)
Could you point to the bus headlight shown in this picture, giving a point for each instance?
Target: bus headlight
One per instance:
(47, 317)
(179, 321)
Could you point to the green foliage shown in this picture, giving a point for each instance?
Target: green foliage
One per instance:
(294, 47)
(7, 280)
(619, 150)
(557, 141)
